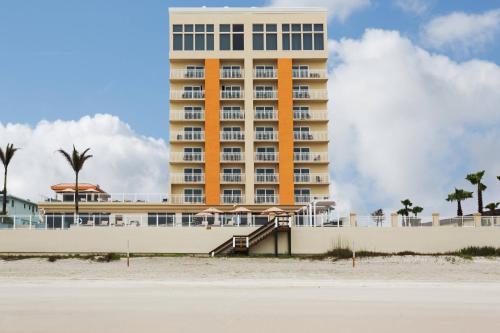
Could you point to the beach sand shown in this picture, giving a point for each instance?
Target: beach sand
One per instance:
(185, 294)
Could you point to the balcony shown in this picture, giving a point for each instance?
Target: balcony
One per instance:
(313, 74)
(311, 115)
(266, 136)
(266, 115)
(232, 199)
(188, 74)
(266, 157)
(307, 198)
(232, 178)
(313, 94)
(232, 115)
(311, 178)
(266, 178)
(187, 136)
(265, 73)
(232, 157)
(265, 95)
(183, 115)
(311, 157)
(232, 136)
(187, 178)
(187, 95)
(310, 136)
(232, 73)
(182, 157)
(266, 199)
(181, 199)
(231, 94)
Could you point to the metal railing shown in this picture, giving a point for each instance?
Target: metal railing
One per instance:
(262, 178)
(187, 136)
(232, 136)
(232, 73)
(69, 198)
(187, 199)
(259, 94)
(311, 178)
(266, 115)
(266, 199)
(232, 199)
(307, 198)
(186, 115)
(187, 157)
(310, 94)
(232, 115)
(187, 178)
(231, 94)
(265, 73)
(266, 136)
(187, 73)
(266, 157)
(310, 157)
(183, 94)
(310, 136)
(232, 178)
(232, 157)
(310, 115)
(309, 74)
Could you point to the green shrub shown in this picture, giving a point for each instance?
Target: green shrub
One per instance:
(108, 257)
(476, 251)
(52, 258)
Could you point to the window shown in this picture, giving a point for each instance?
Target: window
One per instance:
(231, 37)
(193, 195)
(193, 112)
(264, 112)
(300, 91)
(264, 195)
(265, 71)
(264, 92)
(301, 112)
(231, 91)
(231, 175)
(268, 35)
(302, 37)
(231, 71)
(190, 37)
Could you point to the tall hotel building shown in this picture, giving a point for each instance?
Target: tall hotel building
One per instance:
(248, 106)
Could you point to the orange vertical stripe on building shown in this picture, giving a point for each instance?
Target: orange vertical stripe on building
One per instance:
(212, 132)
(285, 129)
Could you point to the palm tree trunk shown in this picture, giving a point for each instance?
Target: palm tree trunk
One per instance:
(459, 208)
(77, 197)
(4, 200)
(479, 198)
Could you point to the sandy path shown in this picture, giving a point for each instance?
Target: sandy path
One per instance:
(248, 295)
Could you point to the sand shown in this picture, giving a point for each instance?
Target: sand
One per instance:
(397, 294)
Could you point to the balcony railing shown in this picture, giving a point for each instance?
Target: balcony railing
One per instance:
(187, 199)
(311, 178)
(310, 136)
(266, 157)
(266, 178)
(320, 94)
(231, 73)
(183, 94)
(187, 157)
(231, 94)
(187, 73)
(266, 199)
(94, 198)
(187, 178)
(232, 178)
(265, 73)
(310, 115)
(309, 74)
(310, 157)
(266, 115)
(307, 198)
(232, 157)
(186, 115)
(232, 136)
(232, 199)
(232, 115)
(259, 94)
(266, 136)
(187, 136)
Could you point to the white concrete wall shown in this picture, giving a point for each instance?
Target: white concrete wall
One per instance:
(200, 240)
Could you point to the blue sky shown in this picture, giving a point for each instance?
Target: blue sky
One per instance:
(63, 59)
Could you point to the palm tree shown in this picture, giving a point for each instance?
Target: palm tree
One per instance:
(459, 195)
(6, 157)
(492, 206)
(378, 216)
(417, 210)
(76, 160)
(475, 179)
(405, 212)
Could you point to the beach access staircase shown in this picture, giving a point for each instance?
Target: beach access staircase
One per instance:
(241, 244)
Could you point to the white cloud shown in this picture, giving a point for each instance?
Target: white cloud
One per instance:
(418, 7)
(461, 32)
(339, 9)
(407, 123)
(123, 160)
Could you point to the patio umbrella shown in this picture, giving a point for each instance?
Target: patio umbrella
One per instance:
(240, 210)
(204, 215)
(212, 210)
(273, 211)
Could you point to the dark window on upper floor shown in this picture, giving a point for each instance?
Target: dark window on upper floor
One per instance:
(231, 37)
(188, 37)
(298, 37)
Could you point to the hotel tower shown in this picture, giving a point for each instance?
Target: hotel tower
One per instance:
(248, 106)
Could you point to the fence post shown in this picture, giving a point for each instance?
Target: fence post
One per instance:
(14, 222)
(353, 221)
(477, 219)
(394, 220)
(435, 219)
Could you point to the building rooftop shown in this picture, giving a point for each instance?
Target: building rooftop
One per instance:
(70, 187)
(248, 9)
